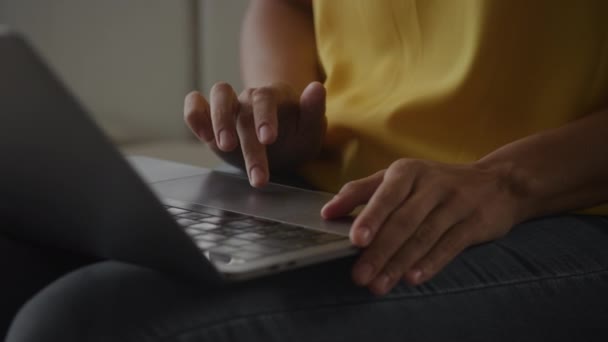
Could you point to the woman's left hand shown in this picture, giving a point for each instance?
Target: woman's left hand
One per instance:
(420, 215)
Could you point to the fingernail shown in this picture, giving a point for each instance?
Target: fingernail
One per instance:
(225, 139)
(256, 176)
(363, 273)
(364, 235)
(325, 207)
(382, 282)
(329, 202)
(416, 276)
(265, 133)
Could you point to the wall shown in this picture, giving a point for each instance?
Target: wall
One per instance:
(221, 27)
(129, 61)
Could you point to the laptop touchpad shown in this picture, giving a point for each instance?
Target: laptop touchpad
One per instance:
(233, 193)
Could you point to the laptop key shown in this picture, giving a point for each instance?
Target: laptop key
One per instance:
(211, 237)
(220, 213)
(216, 219)
(209, 211)
(239, 224)
(194, 232)
(193, 216)
(235, 242)
(224, 231)
(205, 245)
(204, 226)
(186, 222)
(176, 211)
(250, 236)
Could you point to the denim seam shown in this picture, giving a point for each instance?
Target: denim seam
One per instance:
(355, 303)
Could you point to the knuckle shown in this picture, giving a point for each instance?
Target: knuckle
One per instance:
(366, 221)
(399, 165)
(429, 227)
(192, 95)
(403, 166)
(462, 195)
(388, 197)
(377, 258)
(222, 87)
(262, 94)
(422, 237)
(189, 114)
(196, 116)
(406, 163)
(479, 219)
(402, 219)
(223, 114)
(199, 111)
(190, 103)
(246, 95)
(350, 187)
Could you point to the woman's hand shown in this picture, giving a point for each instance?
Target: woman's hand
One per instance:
(420, 215)
(291, 125)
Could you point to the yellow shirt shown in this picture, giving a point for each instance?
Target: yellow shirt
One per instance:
(452, 80)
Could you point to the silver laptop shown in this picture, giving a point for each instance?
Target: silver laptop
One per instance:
(64, 186)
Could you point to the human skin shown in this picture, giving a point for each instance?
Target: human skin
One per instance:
(419, 214)
(278, 121)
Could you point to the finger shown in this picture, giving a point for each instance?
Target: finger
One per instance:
(254, 152)
(454, 241)
(224, 108)
(396, 186)
(351, 196)
(371, 269)
(418, 242)
(312, 107)
(265, 102)
(197, 117)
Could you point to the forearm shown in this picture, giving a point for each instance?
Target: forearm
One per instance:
(278, 44)
(557, 170)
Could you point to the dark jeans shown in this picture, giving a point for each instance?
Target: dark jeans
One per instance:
(545, 281)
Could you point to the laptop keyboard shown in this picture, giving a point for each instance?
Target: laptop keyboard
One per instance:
(240, 237)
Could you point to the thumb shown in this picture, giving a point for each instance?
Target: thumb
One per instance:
(312, 104)
(312, 122)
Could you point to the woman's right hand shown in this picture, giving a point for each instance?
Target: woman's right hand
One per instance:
(263, 128)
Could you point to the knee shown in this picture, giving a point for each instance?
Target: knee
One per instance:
(100, 302)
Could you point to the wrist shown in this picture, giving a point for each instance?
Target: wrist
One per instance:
(516, 184)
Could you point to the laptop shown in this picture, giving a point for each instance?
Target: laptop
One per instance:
(65, 186)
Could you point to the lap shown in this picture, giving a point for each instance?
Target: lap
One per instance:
(26, 269)
(546, 280)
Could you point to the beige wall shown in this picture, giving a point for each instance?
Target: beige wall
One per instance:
(131, 62)
(221, 26)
